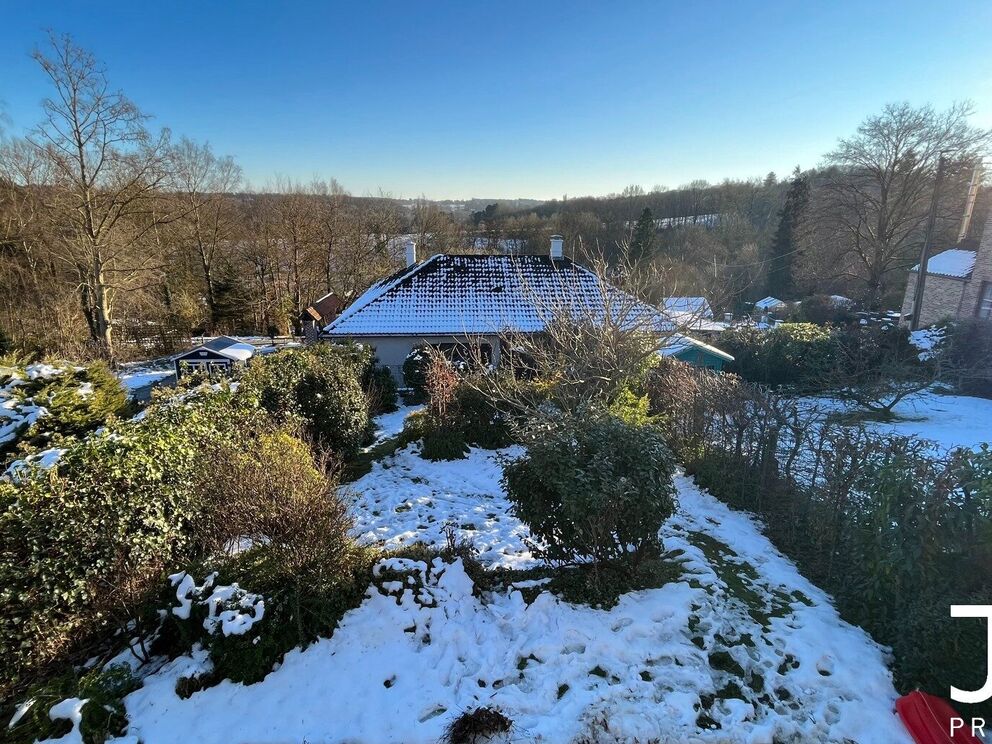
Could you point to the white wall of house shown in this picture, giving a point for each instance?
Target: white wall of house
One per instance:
(392, 351)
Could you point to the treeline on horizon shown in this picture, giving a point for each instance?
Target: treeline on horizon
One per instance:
(121, 241)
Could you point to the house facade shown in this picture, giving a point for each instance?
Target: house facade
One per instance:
(473, 300)
(219, 356)
(958, 284)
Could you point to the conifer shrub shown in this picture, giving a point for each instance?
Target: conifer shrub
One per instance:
(415, 374)
(75, 401)
(318, 388)
(593, 485)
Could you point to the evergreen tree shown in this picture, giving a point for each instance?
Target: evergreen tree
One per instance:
(642, 241)
(787, 238)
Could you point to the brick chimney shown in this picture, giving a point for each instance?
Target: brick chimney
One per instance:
(557, 247)
(411, 252)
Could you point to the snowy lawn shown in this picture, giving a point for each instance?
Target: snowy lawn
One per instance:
(134, 381)
(949, 420)
(741, 649)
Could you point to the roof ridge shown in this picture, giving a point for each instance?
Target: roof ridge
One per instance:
(355, 307)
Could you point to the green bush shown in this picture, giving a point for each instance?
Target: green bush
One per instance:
(380, 388)
(415, 374)
(480, 422)
(965, 356)
(793, 354)
(82, 543)
(592, 485)
(825, 309)
(442, 443)
(103, 715)
(317, 387)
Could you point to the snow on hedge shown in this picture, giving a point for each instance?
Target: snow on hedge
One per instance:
(741, 649)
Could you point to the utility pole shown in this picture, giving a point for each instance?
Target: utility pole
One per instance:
(921, 274)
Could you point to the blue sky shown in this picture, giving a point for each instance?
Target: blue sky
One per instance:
(513, 99)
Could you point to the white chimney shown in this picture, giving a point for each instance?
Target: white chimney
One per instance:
(411, 253)
(557, 247)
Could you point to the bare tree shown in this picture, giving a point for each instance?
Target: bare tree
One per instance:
(204, 183)
(873, 206)
(105, 171)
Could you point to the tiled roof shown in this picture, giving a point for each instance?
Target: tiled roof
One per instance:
(955, 262)
(456, 295)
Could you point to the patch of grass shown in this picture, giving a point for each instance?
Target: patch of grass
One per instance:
(741, 579)
(361, 464)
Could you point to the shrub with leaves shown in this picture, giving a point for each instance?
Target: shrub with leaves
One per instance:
(272, 497)
(103, 715)
(317, 387)
(592, 485)
(965, 356)
(794, 354)
(82, 544)
(415, 374)
(48, 404)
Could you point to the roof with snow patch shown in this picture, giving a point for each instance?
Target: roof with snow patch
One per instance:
(956, 263)
(473, 294)
(696, 306)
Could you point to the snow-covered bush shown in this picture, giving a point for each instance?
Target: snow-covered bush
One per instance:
(592, 485)
(318, 387)
(41, 405)
(89, 703)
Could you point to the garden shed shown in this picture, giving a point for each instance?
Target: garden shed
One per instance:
(218, 356)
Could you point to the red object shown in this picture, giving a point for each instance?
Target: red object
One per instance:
(928, 719)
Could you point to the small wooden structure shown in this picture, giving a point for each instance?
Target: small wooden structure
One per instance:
(219, 356)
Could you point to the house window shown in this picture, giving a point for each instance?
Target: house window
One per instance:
(984, 310)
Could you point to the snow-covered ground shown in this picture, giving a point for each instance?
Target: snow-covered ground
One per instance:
(134, 381)
(406, 499)
(949, 420)
(390, 424)
(741, 649)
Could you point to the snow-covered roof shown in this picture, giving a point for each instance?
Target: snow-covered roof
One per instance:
(471, 294)
(226, 346)
(955, 262)
(677, 343)
(768, 303)
(696, 306)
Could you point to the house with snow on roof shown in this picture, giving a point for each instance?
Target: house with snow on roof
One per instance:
(218, 356)
(449, 301)
(958, 283)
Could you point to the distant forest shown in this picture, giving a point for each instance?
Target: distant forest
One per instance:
(120, 241)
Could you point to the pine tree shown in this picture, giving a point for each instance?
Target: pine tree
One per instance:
(787, 238)
(642, 241)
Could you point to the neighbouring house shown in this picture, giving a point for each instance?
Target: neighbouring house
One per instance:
(218, 356)
(693, 314)
(769, 305)
(451, 301)
(958, 283)
(320, 313)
